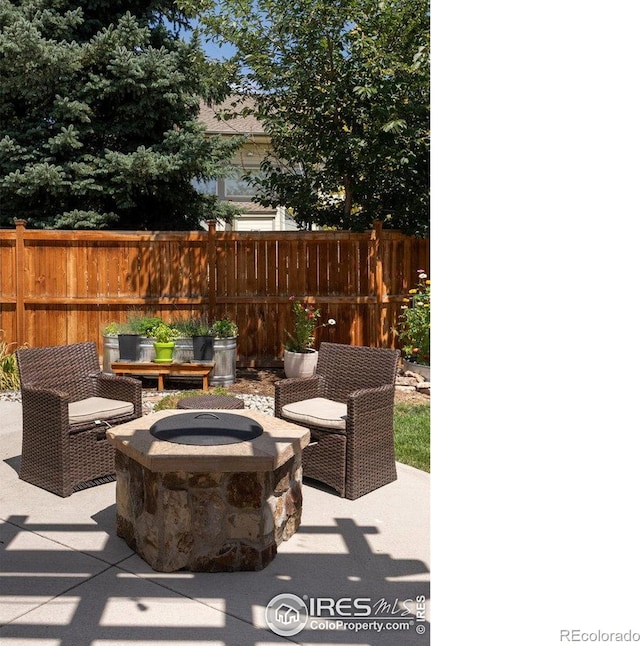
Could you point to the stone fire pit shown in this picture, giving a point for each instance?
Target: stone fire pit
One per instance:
(208, 508)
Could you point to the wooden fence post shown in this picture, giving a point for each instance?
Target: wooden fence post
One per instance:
(211, 261)
(19, 273)
(378, 284)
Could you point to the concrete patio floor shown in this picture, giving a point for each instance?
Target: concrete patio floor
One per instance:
(66, 579)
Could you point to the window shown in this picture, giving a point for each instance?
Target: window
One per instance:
(232, 188)
(236, 188)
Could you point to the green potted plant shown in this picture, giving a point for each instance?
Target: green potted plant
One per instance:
(164, 336)
(224, 329)
(128, 340)
(128, 335)
(300, 357)
(199, 330)
(142, 323)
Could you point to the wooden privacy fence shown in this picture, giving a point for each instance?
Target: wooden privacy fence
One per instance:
(60, 287)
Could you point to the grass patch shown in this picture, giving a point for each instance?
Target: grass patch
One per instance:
(412, 435)
(171, 401)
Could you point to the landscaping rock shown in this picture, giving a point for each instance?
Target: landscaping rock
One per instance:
(406, 381)
(411, 386)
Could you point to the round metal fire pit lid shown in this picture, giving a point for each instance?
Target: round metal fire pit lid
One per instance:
(206, 429)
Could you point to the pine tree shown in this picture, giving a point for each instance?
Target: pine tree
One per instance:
(98, 117)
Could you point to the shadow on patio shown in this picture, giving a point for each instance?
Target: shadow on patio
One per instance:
(66, 579)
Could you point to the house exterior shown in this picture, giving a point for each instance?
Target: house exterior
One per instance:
(233, 189)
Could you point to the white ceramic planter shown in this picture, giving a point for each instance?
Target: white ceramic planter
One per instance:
(300, 364)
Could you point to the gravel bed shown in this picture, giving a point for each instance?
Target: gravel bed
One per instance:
(256, 402)
(260, 403)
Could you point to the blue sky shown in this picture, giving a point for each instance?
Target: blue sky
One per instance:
(213, 51)
(216, 51)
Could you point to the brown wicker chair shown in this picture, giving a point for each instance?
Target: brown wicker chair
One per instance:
(348, 407)
(67, 405)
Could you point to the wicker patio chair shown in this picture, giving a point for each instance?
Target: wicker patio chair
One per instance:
(348, 407)
(67, 405)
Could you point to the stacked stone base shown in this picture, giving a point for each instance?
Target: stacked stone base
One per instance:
(207, 522)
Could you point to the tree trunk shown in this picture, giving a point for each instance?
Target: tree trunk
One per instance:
(348, 199)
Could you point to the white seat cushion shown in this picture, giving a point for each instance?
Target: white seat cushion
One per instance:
(93, 408)
(318, 411)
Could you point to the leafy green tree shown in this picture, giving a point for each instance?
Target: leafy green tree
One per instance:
(98, 116)
(342, 87)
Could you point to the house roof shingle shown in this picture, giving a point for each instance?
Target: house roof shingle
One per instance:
(235, 126)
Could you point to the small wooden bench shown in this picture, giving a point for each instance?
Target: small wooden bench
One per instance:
(159, 370)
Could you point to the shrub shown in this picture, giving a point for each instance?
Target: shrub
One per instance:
(224, 329)
(414, 324)
(193, 326)
(9, 377)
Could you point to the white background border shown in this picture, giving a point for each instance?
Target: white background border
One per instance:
(536, 320)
